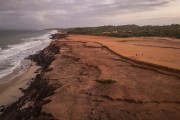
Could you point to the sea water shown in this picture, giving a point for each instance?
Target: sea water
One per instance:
(16, 45)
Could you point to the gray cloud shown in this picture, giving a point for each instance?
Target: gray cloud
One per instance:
(68, 13)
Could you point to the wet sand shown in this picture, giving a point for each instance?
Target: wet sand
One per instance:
(10, 92)
(159, 51)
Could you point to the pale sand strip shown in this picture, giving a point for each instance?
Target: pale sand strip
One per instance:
(11, 92)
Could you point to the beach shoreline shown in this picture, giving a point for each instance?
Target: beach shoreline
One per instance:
(11, 91)
(13, 85)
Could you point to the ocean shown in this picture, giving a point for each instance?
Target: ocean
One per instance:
(15, 45)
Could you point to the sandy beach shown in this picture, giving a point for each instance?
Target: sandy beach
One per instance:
(12, 90)
(87, 78)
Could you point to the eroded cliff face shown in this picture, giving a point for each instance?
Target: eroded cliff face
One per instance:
(29, 106)
(46, 56)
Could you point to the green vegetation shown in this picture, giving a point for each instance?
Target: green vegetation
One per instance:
(108, 81)
(130, 31)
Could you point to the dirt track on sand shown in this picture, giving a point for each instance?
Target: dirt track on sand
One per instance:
(137, 94)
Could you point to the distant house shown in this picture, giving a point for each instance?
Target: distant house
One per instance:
(106, 32)
(129, 31)
(115, 32)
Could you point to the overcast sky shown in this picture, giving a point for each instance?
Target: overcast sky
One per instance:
(38, 14)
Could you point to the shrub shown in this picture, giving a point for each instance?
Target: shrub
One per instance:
(108, 81)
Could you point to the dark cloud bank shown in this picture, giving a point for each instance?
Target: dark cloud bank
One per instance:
(19, 14)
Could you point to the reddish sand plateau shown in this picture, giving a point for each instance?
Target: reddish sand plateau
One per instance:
(161, 51)
(138, 93)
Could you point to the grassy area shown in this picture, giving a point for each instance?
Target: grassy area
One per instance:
(108, 81)
(130, 31)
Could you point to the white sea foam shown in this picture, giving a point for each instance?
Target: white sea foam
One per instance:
(14, 54)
